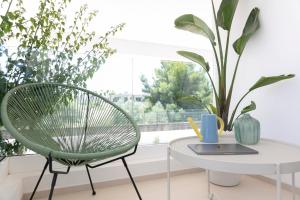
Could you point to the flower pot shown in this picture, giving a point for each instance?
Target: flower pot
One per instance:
(224, 179)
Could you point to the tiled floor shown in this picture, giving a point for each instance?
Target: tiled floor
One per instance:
(184, 187)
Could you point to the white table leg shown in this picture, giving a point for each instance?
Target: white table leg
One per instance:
(210, 195)
(293, 186)
(208, 183)
(168, 174)
(278, 183)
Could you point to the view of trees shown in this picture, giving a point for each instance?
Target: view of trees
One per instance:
(48, 46)
(175, 81)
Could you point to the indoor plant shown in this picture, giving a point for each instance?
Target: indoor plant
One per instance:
(223, 19)
(223, 86)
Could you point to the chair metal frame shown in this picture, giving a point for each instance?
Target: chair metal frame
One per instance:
(55, 173)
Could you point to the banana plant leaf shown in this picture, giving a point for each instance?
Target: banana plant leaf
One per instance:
(226, 13)
(252, 25)
(249, 108)
(196, 25)
(195, 58)
(264, 81)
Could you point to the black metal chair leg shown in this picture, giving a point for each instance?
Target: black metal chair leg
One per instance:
(52, 185)
(88, 172)
(38, 183)
(132, 181)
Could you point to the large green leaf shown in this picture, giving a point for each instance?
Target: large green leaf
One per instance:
(196, 25)
(195, 58)
(252, 25)
(249, 108)
(226, 13)
(264, 81)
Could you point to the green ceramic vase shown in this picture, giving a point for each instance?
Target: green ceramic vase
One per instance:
(247, 130)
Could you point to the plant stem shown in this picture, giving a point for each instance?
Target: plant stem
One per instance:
(225, 60)
(235, 109)
(218, 35)
(238, 116)
(7, 10)
(223, 84)
(217, 59)
(222, 90)
(226, 49)
(214, 88)
(232, 82)
(217, 97)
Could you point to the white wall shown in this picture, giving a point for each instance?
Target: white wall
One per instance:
(273, 50)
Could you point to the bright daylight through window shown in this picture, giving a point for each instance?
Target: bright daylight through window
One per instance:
(74, 43)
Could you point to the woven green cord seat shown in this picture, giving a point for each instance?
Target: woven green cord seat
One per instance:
(75, 125)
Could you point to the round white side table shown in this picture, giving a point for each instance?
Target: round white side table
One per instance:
(274, 158)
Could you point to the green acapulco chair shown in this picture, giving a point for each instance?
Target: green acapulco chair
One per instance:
(69, 125)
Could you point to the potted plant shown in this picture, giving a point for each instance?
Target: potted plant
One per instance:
(223, 86)
(223, 19)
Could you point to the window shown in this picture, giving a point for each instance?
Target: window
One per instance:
(147, 44)
(134, 80)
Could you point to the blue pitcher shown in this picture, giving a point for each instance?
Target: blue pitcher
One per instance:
(209, 128)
